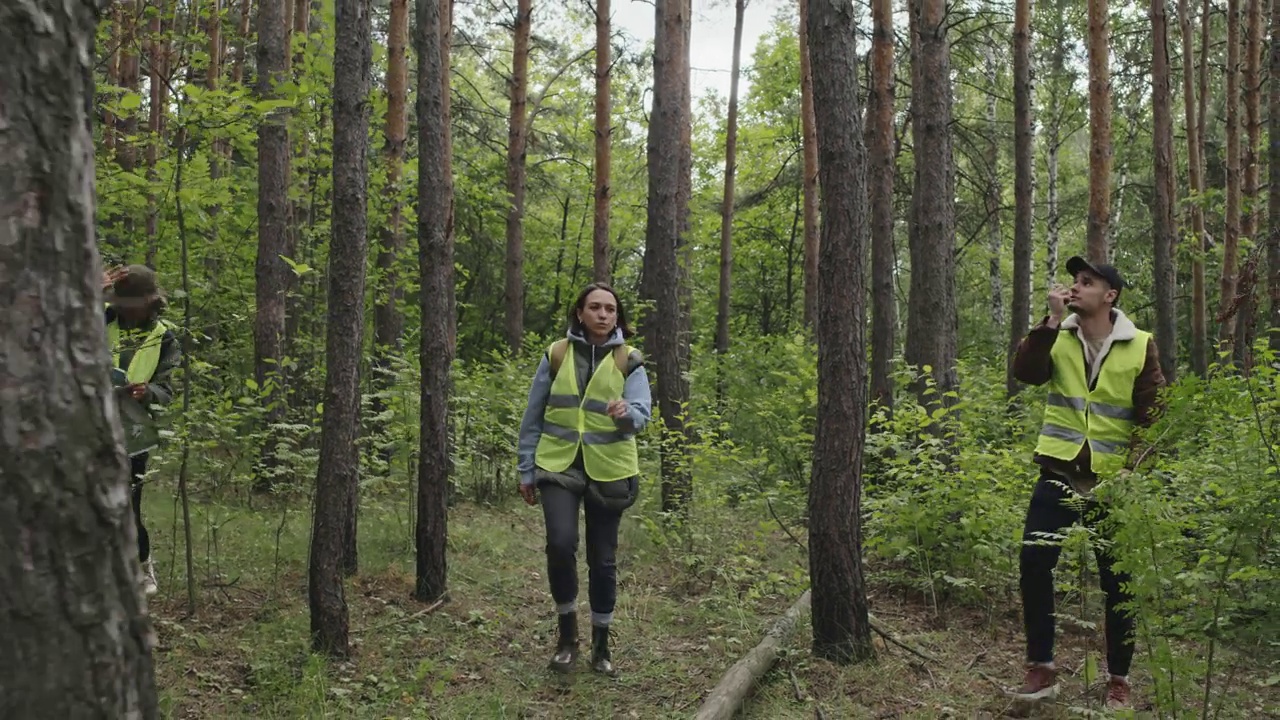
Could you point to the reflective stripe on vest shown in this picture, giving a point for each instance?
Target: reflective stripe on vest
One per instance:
(574, 420)
(146, 356)
(1104, 416)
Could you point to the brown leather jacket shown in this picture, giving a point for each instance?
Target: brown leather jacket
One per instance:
(1033, 364)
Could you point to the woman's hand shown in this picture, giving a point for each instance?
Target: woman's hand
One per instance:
(618, 410)
(529, 493)
(112, 276)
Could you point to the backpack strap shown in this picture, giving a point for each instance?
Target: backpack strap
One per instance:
(556, 354)
(620, 355)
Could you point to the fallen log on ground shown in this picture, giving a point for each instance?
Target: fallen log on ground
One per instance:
(727, 696)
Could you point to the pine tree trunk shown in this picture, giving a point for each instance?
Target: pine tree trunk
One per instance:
(272, 273)
(1024, 187)
(1165, 230)
(435, 263)
(810, 188)
(1099, 133)
(667, 123)
(730, 171)
(156, 51)
(338, 477)
(1231, 236)
(1273, 187)
(1246, 314)
(604, 135)
(994, 197)
(931, 309)
(388, 319)
(77, 639)
(1195, 176)
(242, 42)
(880, 179)
(841, 628)
(516, 142)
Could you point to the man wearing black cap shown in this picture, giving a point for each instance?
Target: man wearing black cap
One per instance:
(144, 351)
(1104, 380)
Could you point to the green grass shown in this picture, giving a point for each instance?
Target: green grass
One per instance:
(683, 616)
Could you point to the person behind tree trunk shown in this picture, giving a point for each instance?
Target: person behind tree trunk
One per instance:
(144, 352)
(1104, 381)
(590, 396)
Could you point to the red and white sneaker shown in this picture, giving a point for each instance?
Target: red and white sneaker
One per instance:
(1117, 693)
(1040, 683)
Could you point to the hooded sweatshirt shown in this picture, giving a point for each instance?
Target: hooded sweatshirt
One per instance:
(586, 358)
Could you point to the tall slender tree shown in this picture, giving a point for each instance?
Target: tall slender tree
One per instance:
(841, 629)
(1023, 182)
(730, 173)
(1165, 230)
(388, 322)
(809, 183)
(1246, 314)
(1231, 234)
(880, 142)
(435, 263)
(517, 141)
(604, 139)
(1273, 170)
(1195, 178)
(338, 478)
(1099, 132)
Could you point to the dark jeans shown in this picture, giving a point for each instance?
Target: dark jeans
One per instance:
(560, 509)
(138, 466)
(1050, 514)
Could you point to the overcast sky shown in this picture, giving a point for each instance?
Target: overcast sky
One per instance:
(712, 36)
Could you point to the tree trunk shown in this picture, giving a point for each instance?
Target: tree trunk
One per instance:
(931, 309)
(1246, 314)
(516, 141)
(809, 146)
(338, 478)
(1023, 182)
(271, 272)
(77, 639)
(730, 170)
(1231, 234)
(1273, 171)
(156, 51)
(435, 261)
(880, 177)
(113, 75)
(1195, 175)
(1099, 133)
(604, 135)
(1053, 218)
(388, 319)
(994, 198)
(667, 124)
(1165, 230)
(841, 629)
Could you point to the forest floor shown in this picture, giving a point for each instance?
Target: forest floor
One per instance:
(483, 653)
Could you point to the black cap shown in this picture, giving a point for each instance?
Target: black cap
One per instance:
(1077, 265)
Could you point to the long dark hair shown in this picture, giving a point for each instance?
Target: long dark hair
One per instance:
(623, 324)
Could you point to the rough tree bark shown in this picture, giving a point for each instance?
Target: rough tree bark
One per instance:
(993, 197)
(271, 272)
(1231, 234)
(1099, 133)
(157, 50)
(730, 172)
(516, 144)
(1195, 175)
(667, 132)
(931, 309)
(1165, 229)
(338, 478)
(1024, 187)
(604, 136)
(77, 639)
(841, 629)
(435, 263)
(810, 188)
(880, 177)
(1273, 171)
(1246, 315)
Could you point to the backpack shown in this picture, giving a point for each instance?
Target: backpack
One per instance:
(560, 348)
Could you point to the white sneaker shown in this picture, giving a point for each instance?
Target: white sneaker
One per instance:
(149, 586)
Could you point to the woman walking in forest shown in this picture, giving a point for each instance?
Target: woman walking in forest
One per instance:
(144, 351)
(590, 397)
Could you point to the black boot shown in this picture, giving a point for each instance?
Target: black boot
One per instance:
(567, 645)
(600, 661)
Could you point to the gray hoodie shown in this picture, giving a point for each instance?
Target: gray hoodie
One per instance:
(586, 358)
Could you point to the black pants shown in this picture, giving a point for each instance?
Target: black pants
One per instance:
(138, 466)
(1050, 514)
(560, 509)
